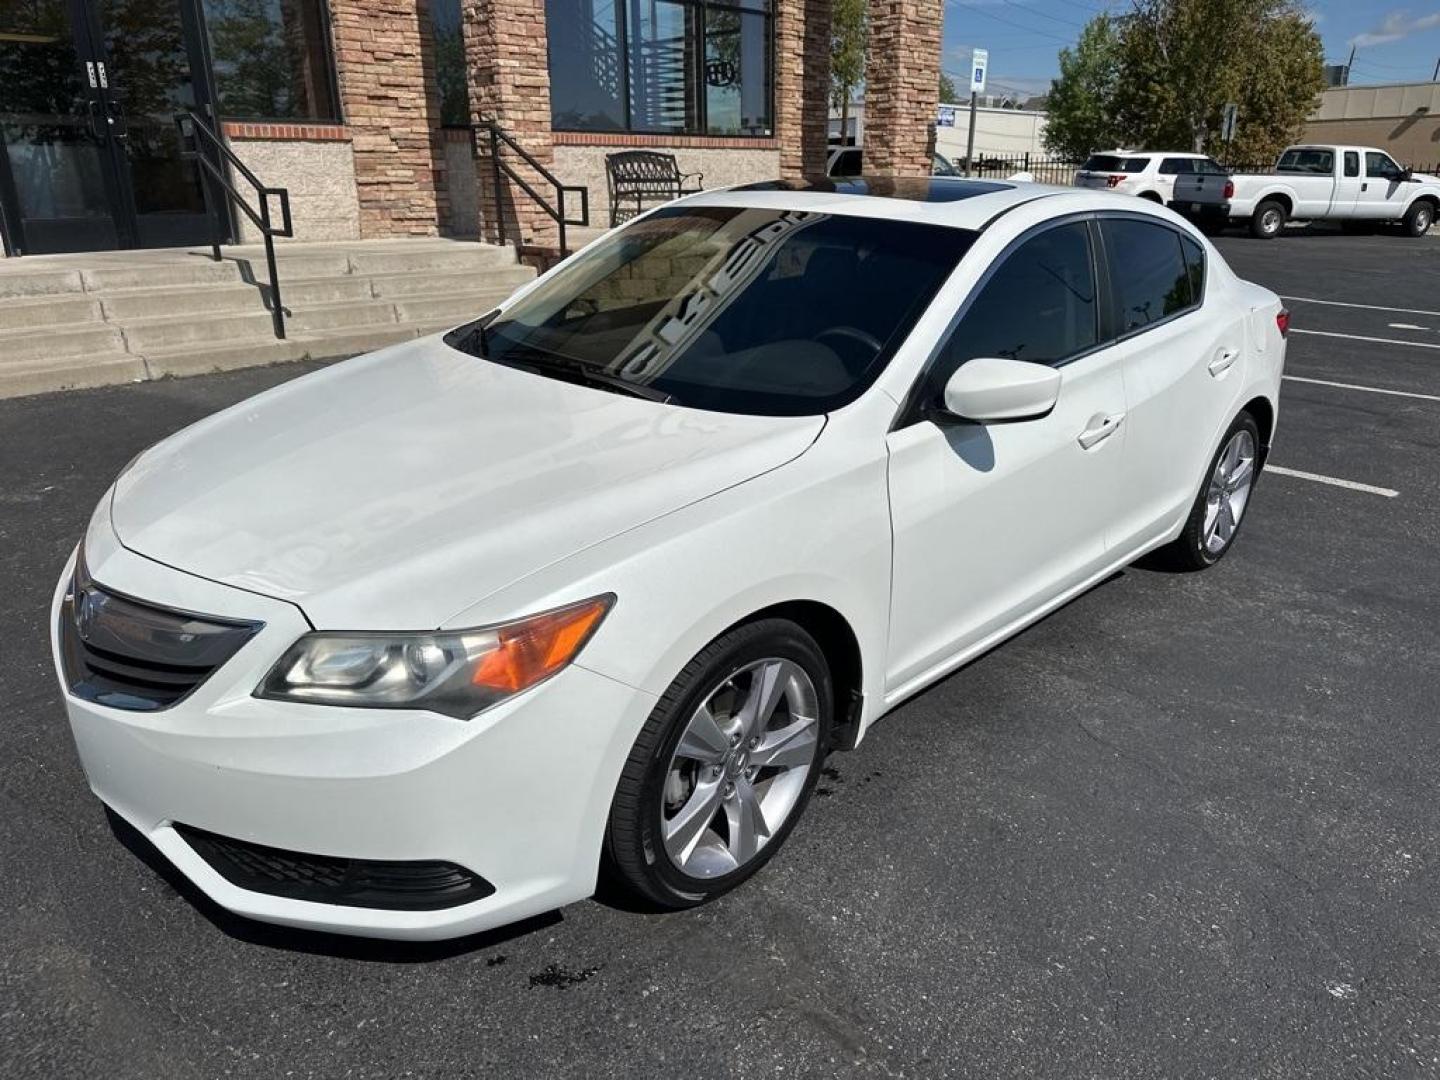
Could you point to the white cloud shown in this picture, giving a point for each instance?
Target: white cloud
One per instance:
(1396, 25)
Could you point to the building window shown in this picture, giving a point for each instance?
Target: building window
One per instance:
(271, 59)
(676, 67)
(450, 74)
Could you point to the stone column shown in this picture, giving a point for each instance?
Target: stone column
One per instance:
(507, 57)
(385, 63)
(802, 85)
(902, 86)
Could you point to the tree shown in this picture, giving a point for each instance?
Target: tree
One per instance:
(1183, 60)
(947, 89)
(849, 27)
(1081, 100)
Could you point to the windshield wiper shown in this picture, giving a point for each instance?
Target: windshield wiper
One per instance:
(578, 371)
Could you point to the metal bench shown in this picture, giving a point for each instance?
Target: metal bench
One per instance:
(645, 174)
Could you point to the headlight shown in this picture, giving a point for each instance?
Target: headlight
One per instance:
(455, 672)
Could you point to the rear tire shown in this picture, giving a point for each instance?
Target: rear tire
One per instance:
(1150, 196)
(1268, 221)
(1419, 219)
(1219, 509)
(703, 759)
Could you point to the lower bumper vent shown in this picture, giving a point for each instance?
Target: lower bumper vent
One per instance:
(326, 879)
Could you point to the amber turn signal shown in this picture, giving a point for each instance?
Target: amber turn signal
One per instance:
(535, 649)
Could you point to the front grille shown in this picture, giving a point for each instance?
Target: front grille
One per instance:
(328, 879)
(127, 654)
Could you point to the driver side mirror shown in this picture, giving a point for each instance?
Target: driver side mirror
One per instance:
(992, 389)
(1407, 176)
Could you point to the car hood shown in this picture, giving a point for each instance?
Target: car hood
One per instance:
(397, 489)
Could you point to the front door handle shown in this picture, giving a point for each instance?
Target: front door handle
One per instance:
(1223, 361)
(1100, 429)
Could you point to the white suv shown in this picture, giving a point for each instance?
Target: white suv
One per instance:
(1149, 175)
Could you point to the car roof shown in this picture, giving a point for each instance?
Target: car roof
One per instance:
(940, 200)
(1148, 153)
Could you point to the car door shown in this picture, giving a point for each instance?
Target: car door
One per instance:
(1171, 171)
(1182, 363)
(992, 521)
(1347, 185)
(1382, 194)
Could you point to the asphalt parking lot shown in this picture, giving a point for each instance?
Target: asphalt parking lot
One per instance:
(1186, 826)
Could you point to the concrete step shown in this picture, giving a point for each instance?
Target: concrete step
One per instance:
(127, 304)
(35, 344)
(431, 284)
(41, 375)
(296, 294)
(296, 267)
(203, 359)
(457, 309)
(199, 271)
(341, 316)
(218, 331)
(14, 283)
(459, 257)
(48, 311)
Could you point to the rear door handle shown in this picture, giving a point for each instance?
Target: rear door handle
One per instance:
(1223, 361)
(1100, 429)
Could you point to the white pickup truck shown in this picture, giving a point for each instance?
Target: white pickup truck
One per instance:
(1331, 183)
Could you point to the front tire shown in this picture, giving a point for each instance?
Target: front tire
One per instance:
(1268, 221)
(1219, 509)
(723, 768)
(1419, 219)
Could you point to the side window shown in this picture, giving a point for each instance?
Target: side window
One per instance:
(848, 163)
(1177, 166)
(1352, 163)
(1381, 165)
(1039, 305)
(1147, 270)
(1195, 267)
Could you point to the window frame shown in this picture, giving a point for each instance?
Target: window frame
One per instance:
(697, 71)
(1113, 293)
(917, 405)
(326, 31)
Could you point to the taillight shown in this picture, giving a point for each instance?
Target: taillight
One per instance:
(1229, 189)
(1114, 181)
(1282, 320)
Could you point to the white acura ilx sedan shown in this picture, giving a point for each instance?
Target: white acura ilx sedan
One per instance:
(424, 642)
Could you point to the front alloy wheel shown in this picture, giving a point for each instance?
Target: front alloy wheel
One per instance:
(740, 767)
(723, 768)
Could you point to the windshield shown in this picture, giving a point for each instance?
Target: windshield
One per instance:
(746, 310)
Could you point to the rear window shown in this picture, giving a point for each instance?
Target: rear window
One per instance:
(1111, 163)
(1321, 162)
(734, 309)
(1148, 270)
(1209, 167)
(1177, 166)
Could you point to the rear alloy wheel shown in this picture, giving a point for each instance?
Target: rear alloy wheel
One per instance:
(1215, 518)
(1419, 219)
(1269, 220)
(724, 766)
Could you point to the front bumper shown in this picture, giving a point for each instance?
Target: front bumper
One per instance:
(519, 795)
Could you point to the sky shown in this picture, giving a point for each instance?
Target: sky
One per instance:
(1393, 43)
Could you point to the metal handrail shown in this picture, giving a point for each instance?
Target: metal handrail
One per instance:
(499, 136)
(197, 128)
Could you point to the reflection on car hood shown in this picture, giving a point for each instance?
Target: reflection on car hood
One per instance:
(394, 490)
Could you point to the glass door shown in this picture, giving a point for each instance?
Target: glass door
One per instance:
(58, 185)
(88, 94)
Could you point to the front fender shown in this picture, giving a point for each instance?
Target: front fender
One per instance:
(810, 530)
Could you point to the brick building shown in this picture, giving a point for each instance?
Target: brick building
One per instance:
(363, 109)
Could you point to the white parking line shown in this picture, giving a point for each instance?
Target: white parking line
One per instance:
(1366, 307)
(1407, 326)
(1366, 389)
(1361, 337)
(1349, 485)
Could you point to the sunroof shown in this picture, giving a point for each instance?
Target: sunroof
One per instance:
(911, 188)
